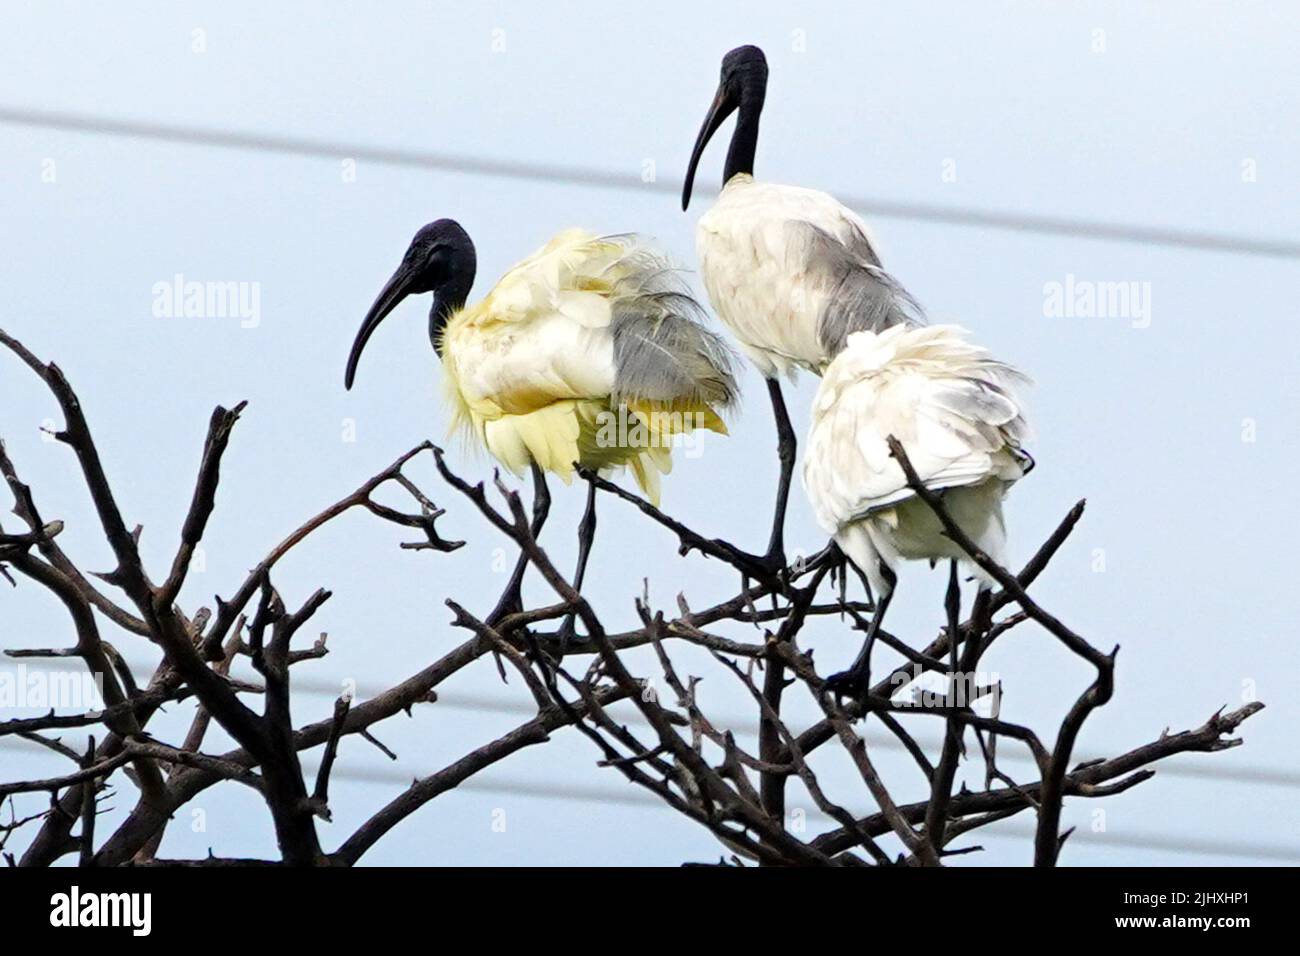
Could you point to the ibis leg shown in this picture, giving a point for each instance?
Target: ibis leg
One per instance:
(952, 605)
(981, 615)
(512, 597)
(856, 681)
(936, 816)
(586, 535)
(786, 446)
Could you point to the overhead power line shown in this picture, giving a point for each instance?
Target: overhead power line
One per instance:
(488, 704)
(573, 175)
(629, 796)
(389, 774)
(485, 703)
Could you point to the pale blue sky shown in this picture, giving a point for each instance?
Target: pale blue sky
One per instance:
(1147, 423)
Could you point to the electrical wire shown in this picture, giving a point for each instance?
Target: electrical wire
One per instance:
(574, 175)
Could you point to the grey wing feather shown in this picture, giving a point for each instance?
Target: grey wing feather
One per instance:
(859, 246)
(863, 296)
(662, 350)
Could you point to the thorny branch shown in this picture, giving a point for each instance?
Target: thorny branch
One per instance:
(733, 781)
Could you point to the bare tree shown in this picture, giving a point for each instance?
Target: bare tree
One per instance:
(691, 762)
(696, 766)
(198, 650)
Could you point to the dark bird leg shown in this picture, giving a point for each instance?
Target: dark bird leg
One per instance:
(952, 604)
(512, 597)
(774, 560)
(981, 615)
(856, 681)
(586, 535)
(936, 816)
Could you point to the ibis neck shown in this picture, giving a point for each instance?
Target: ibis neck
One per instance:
(449, 299)
(744, 140)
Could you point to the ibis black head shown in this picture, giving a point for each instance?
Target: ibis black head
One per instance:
(742, 86)
(440, 260)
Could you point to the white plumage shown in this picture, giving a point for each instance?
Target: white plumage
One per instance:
(795, 276)
(956, 413)
(773, 259)
(790, 271)
(585, 326)
(587, 353)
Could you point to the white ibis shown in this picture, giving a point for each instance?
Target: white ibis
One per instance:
(794, 275)
(588, 352)
(790, 271)
(955, 411)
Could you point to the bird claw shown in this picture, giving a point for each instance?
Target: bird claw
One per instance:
(853, 684)
(774, 564)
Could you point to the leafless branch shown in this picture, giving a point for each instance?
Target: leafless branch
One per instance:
(692, 762)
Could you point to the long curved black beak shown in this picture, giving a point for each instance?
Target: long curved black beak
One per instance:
(395, 290)
(723, 106)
